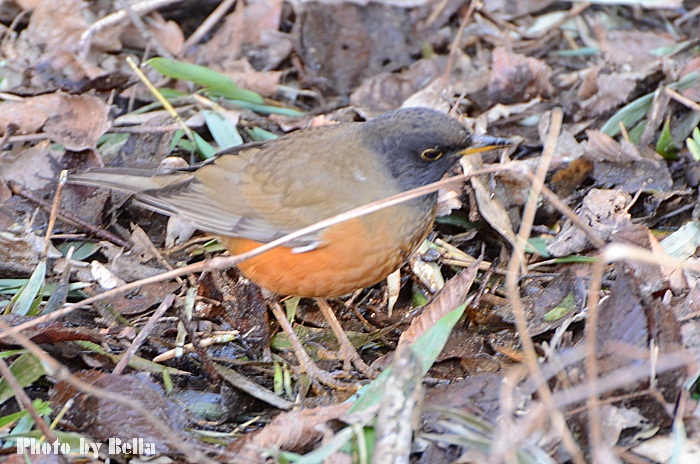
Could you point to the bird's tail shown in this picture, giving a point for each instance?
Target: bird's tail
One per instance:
(130, 180)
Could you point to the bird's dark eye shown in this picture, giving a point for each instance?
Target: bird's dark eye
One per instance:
(431, 154)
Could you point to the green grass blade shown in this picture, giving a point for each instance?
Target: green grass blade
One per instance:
(222, 129)
(213, 82)
(25, 300)
(27, 369)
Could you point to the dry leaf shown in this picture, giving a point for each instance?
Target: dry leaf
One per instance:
(517, 78)
(33, 168)
(453, 294)
(75, 121)
(59, 25)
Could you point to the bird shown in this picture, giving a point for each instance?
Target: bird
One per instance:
(255, 193)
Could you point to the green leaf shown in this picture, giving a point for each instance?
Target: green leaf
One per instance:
(268, 109)
(203, 147)
(167, 381)
(27, 369)
(583, 51)
(419, 299)
(539, 245)
(628, 115)
(82, 250)
(278, 380)
(11, 418)
(222, 129)
(24, 301)
(177, 138)
(213, 82)
(170, 94)
(109, 140)
(566, 305)
(693, 144)
(637, 131)
(290, 307)
(672, 49)
(576, 259)
(10, 353)
(683, 243)
(12, 286)
(457, 219)
(666, 146)
(259, 134)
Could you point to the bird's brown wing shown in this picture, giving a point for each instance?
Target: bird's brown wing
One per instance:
(265, 192)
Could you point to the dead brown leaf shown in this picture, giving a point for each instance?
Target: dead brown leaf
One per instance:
(517, 78)
(143, 299)
(624, 166)
(75, 121)
(294, 430)
(339, 64)
(612, 90)
(51, 332)
(103, 419)
(59, 25)
(33, 168)
(253, 26)
(605, 211)
(242, 73)
(167, 33)
(453, 294)
(387, 90)
(491, 207)
(627, 47)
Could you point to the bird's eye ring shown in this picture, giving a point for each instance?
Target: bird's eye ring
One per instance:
(431, 154)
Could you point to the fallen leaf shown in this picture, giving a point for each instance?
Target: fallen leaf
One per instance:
(103, 419)
(33, 168)
(59, 24)
(517, 78)
(75, 121)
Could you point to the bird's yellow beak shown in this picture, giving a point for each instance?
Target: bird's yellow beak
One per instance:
(482, 143)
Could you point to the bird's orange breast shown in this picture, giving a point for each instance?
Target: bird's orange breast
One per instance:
(351, 255)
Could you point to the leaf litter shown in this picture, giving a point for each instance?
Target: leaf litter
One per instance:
(620, 72)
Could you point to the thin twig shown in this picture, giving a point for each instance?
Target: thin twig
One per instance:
(24, 401)
(139, 24)
(115, 18)
(145, 331)
(69, 218)
(208, 24)
(682, 99)
(595, 434)
(454, 46)
(512, 278)
(63, 177)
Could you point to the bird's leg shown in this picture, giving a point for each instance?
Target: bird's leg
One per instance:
(347, 351)
(306, 364)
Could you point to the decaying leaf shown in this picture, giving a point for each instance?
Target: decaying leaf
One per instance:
(76, 122)
(517, 78)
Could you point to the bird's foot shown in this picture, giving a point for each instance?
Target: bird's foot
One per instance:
(347, 352)
(306, 364)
